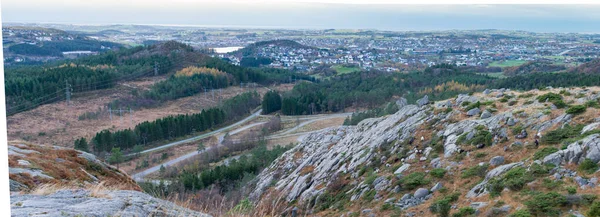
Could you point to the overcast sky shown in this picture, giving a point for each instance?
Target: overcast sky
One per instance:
(307, 14)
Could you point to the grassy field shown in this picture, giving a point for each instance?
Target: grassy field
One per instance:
(494, 74)
(344, 70)
(507, 63)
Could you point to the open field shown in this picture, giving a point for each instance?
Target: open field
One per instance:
(507, 63)
(344, 70)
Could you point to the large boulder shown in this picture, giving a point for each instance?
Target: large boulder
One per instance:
(423, 101)
(486, 114)
(421, 193)
(495, 161)
(480, 189)
(576, 152)
(473, 112)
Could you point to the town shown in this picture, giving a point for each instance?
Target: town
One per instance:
(343, 50)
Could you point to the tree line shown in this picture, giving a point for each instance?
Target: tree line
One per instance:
(173, 126)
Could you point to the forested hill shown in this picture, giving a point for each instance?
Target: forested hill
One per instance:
(38, 42)
(252, 49)
(591, 67)
(30, 86)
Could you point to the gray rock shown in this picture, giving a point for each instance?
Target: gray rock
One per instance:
(497, 160)
(521, 135)
(486, 91)
(576, 152)
(581, 181)
(381, 183)
(516, 144)
(436, 163)
(17, 186)
(511, 122)
(480, 189)
(436, 187)
(486, 114)
(402, 168)
(115, 203)
(590, 127)
(23, 162)
(390, 200)
(465, 98)
(478, 205)
(421, 193)
(473, 112)
(423, 101)
(401, 102)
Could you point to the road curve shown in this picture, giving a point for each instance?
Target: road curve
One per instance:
(254, 115)
(140, 176)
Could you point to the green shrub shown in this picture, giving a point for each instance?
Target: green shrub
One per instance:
(592, 104)
(571, 189)
(414, 180)
(576, 109)
(438, 173)
(515, 179)
(464, 211)
(588, 166)
(540, 170)
(561, 134)
(553, 98)
(589, 198)
(442, 206)
(546, 204)
(473, 105)
(594, 210)
(480, 155)
(370, 179)
(544, 152)
(551, 184)
(475, 171)
(521, 213)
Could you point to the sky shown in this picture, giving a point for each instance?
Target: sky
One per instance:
(312, 14)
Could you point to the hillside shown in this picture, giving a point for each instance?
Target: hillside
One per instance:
(58, 181)
(533, 67)
(466, 155)
(253, 49)
(591, 67)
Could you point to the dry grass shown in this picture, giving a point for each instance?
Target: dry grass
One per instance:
(57, 124)
(67, 169)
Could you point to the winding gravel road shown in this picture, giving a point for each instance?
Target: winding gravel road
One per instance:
(140, 176)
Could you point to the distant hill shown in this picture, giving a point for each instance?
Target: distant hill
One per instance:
(40, 42)
(591, 67)
(533, 67)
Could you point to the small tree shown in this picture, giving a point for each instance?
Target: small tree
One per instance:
(116, 157)
(162, 169)
(81, 144)
(137, 149)
(201, 147)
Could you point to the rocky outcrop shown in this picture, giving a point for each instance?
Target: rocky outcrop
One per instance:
(32, 165)
(97, 204)
(480, 189)
(324, 154)
(588, 147)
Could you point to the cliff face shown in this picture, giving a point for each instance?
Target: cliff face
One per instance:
(388, 161)
(57, 181)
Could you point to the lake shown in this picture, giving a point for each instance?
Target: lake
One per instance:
(226, 49)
